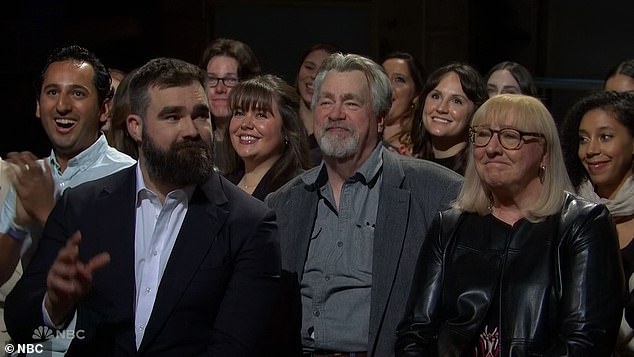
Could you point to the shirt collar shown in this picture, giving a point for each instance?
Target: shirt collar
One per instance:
(141, 188)
(85, 158)
(367, 173)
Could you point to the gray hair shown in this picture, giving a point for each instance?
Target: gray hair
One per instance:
(527, 114)
(378, 81)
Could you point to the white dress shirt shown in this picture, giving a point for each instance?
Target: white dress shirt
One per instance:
(156, 228)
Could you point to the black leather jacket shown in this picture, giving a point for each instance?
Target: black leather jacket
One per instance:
(559, 283)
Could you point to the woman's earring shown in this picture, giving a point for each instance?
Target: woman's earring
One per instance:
(490, 205)
(285, 140)
(541, 172)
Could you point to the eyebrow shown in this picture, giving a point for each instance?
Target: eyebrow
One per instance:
(71, 86)
(169, 110)
(352, 96)
(225, 74)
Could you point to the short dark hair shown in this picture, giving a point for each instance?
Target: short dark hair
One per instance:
(101, 79)
(161, 72)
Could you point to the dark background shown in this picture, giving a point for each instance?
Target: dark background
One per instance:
(568, 45)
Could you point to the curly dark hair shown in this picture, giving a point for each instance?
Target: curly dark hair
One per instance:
(619, 104)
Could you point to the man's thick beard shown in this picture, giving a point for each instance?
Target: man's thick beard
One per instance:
(335, 146)
(184, 163)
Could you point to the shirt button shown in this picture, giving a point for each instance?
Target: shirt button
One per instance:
(140, 327)
(340, 244)
(154, 253)
(316, 313)
(327, 277)
(147, 290)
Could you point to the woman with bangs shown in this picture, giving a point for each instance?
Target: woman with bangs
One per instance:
(269, 140)
(518, 266)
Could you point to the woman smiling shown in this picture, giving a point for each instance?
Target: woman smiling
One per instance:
(267, 135)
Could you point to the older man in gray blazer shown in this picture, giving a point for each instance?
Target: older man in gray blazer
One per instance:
(351, 229)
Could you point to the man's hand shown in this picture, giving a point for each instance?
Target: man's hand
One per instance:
(69, 280)
(34, 188)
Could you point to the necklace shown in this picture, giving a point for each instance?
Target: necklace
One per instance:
(244, 185)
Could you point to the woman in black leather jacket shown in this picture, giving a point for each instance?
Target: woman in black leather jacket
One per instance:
(519, 266)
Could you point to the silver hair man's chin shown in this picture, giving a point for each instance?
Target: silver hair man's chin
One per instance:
(335, 146)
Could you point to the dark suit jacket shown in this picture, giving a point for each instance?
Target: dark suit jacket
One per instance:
(215, 295)
(412, 193)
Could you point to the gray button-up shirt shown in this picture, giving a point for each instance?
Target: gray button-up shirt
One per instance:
(337, 278)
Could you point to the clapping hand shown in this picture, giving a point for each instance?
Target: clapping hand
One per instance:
(69, 280)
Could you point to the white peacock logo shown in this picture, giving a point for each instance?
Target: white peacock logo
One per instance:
(42, 333)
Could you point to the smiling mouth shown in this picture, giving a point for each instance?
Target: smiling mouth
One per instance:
(440, 120)
(596, 165)
(65, 123)
(247, 139)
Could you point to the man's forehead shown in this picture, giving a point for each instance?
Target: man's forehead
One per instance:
(190, 94)
(69, 68)
(349, 81)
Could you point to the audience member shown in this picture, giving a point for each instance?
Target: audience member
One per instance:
(9, 283)
(190, 253)
(269, 139)
(4, 180)
(518, 266)
(407, 76)
(510, 77)
(227, 62)
(440, 132)
(116, 76)
(620, 78)
(118, 135)
(598, 142)
(349, 227)
(308, 67)
(74, 89)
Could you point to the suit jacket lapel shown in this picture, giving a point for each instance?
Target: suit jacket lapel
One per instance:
(118, 239)
(200, 228)
(299, 233)
(389, 236)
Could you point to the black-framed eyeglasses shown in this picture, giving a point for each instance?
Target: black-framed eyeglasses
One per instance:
(510, 139)
(226, 81)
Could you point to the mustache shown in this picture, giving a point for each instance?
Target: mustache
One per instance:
(190, 144)
(335, 125)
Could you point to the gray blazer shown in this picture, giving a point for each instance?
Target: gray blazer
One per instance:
(412, 193)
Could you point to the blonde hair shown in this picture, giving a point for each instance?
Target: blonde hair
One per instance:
(524, 113)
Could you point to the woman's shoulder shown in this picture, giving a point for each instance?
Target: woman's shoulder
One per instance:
(577, 209)
(575, 204)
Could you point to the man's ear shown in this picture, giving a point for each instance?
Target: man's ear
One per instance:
(380, 122)
(105, 112)
(37, 109)
(135, 127)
